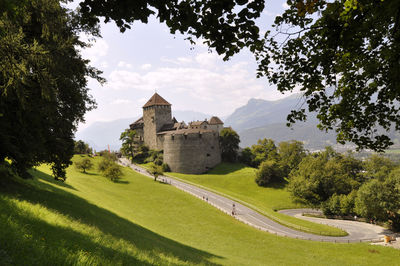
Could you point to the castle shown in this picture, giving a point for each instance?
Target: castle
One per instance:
(190, 149)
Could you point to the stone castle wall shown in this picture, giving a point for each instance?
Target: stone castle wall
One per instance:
(191, 153)
(154, 117)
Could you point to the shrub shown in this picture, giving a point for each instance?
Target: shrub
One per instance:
(268, 172)
(113, 172)
(83, 165)
(104, 164)
(155, 170)
(165, 167)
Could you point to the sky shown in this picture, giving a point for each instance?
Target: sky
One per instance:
(148, 59)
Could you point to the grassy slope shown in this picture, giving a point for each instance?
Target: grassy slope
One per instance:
(91, 221)
(237, 181)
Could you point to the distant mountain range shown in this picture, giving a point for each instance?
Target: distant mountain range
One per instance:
(267, 119)
(256, 120)
(101, 134)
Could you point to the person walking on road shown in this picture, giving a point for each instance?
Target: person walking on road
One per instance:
(233, 209)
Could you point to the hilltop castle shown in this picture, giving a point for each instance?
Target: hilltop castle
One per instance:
(191, 149)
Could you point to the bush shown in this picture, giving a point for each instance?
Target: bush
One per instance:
(165, 167)
(104, 164)
(268, 172)
(108, 155)
(113, 172)
(246, 157)
(155, 170)
(341, 205)
(154, 157)
(83, 165)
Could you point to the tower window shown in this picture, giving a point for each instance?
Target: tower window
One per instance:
(208, 155)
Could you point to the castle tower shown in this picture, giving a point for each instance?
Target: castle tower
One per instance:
(156, 114)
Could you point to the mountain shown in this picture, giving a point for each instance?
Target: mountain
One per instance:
(267, 119)
(101, 134)
(260, 119)
(257, 112)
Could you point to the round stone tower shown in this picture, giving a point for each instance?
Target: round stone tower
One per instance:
(156, 114)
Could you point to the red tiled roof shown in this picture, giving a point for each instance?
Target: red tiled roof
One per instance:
(215, 121)
(156, 100)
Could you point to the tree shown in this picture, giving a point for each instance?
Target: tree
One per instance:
(344, 56)
(268, 172)
(84, 164)
(80, 147)
(380, 200)
(321, 175)
(229, 142)
(155, 170)
(291, 153)
(379, 167)
(113, 172)
(43, 84)
(104, 164)
(265, 149)
(129, 143)
(246, 156)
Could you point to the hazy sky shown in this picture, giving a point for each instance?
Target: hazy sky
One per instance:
(148, 58)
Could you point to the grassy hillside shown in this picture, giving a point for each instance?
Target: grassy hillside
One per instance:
(237, 181)
(91, 221)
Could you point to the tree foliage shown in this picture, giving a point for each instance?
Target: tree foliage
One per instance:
(265, 149)
(229, 142)
(113, 172)
(344, 56)
(291, 153)
(84, 164)
(80, 147)
(226, 25)
(43, 84)
(321, 175)
(129, 143)
(268, 172)
(155, 170)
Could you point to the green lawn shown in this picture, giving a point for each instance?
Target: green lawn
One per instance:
(237, 181)
(89, 220)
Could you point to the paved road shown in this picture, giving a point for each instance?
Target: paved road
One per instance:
(358, 232)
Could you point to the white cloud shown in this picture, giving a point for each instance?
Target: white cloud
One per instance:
(285, 5)
(218, 90)
(123, 64)
(145, 66)
(98, 49)
(185, 60)
(208, 60)
(121, 101)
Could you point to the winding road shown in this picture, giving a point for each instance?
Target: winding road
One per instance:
(357, 231)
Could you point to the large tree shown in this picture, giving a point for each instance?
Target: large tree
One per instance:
(43, 83)
(343, 55)
(229, 142)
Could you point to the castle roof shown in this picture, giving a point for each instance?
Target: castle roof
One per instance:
(137, 124)
(215, 121)
(185, 131)
(198, 123)
(156, 100)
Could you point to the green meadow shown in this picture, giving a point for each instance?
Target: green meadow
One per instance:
(237, 181)
(89, 220)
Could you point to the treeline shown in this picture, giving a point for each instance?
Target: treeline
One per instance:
(274, 163)
(339, 184)
(342, 185)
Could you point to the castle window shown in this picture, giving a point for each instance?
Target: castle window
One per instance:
(152, 119)
(205, 127)
(212, 147)
(208, 155)
(172, 137)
